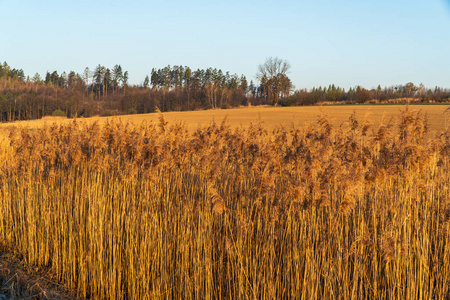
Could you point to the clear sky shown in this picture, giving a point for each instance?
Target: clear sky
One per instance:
(345, 42)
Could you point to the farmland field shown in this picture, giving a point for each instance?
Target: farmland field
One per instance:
(179, 207)
(437, 115)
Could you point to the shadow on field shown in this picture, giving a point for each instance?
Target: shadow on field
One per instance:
(20, 281)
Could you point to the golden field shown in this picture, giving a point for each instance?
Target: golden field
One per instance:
(189, 209)
(438, 116)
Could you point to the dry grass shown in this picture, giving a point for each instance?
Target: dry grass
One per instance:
(124, 211)
(22, 281)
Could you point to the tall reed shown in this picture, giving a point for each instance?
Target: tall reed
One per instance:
(153, 211)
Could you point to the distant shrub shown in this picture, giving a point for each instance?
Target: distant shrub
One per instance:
(59, 113)
(109, 112)
(131, 111)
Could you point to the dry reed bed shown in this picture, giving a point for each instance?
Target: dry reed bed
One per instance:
(122, 211)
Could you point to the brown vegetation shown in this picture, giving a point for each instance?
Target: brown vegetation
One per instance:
(106, 92)
(118, 210)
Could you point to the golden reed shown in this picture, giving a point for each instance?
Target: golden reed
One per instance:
(121, 211)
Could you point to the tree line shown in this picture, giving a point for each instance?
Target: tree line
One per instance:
(106, 91)
(358, 95)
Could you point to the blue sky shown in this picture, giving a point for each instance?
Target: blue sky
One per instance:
(345, 42)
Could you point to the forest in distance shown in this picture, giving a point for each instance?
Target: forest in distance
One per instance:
(106, 91)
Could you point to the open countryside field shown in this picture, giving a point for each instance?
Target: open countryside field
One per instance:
(438, 116)
(120, 209)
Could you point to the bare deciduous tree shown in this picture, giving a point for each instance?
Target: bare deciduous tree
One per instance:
(274, 80)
